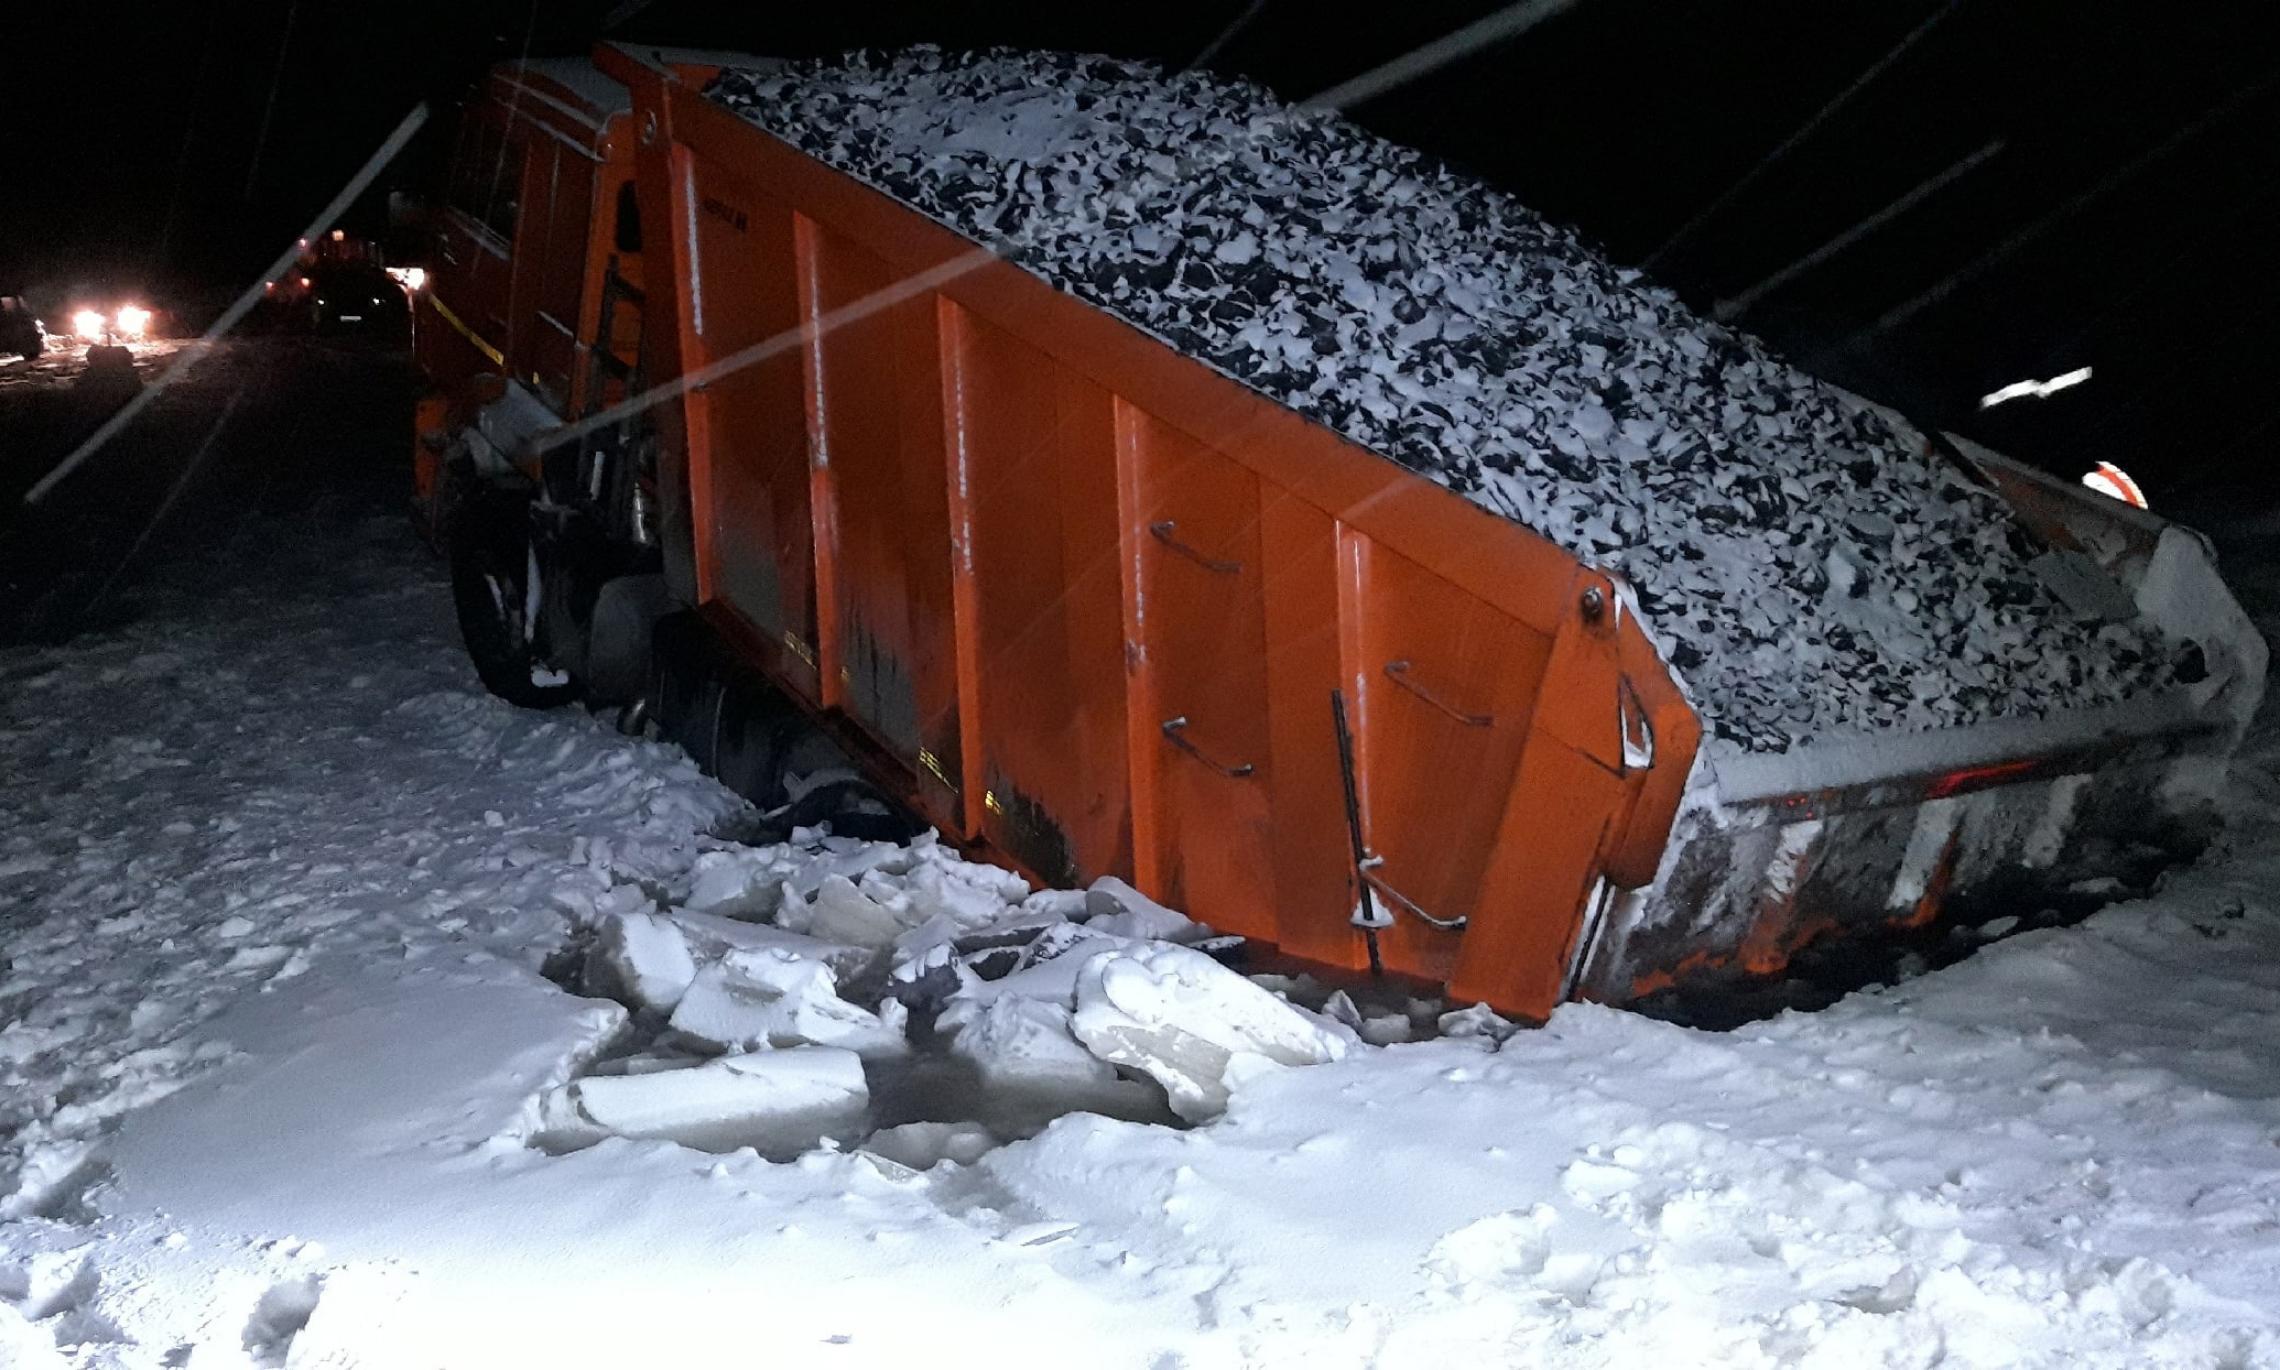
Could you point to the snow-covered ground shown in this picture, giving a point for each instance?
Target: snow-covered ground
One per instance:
(277, 882)
(64, 358)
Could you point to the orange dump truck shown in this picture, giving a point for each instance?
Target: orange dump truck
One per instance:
(719, 431)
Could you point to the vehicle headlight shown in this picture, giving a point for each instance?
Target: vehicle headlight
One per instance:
(131, 320)
(88, 324)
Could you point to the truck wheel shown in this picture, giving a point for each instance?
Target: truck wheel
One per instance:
(748, 742)
(854, 808)
(489, 541)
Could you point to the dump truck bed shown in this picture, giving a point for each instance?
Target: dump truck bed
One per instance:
(1087, 599)
(1798, 560)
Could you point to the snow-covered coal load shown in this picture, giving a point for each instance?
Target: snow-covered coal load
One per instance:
(1800, 564)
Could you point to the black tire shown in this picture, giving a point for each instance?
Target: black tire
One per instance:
(748, 743)
(489, 542)
(676, 669)
(696, 730)
(854, 808)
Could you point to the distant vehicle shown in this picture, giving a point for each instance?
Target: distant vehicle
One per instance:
(122, 325)
(354, 297)
(21, 332)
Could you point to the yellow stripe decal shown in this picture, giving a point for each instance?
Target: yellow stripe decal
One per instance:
(443, 310)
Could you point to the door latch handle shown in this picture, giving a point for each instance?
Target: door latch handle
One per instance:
(1162, 532)
(1408, 905)
(1398, 672)
(1174, 728)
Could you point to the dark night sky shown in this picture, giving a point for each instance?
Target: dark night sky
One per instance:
(1624, 117)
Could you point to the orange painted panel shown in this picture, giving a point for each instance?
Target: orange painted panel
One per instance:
(1448, 689)
(1540, 864)
(757, 535)
(1202, 613)
(1313, 855)
(879, 397)
(569, 205)
(1036, 448)
(1608, 749)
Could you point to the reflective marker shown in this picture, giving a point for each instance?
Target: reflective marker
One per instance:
(2019, 390)
(2115, 483)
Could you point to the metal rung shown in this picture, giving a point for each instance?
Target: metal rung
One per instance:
(1398, 672)
(1162, 532)
(1173, 729)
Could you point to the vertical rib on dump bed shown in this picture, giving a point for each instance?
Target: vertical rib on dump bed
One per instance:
(1092, 598)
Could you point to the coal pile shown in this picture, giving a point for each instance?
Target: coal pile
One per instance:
(1801, 564)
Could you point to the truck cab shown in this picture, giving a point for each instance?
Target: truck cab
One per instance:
(531, 316)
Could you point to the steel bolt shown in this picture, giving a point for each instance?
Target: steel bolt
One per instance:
(1594, 603)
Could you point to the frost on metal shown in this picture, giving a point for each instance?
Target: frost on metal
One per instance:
(1802, 566)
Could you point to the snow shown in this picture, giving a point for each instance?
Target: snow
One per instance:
(278, 1056)
(64, 361)
(1802, 564)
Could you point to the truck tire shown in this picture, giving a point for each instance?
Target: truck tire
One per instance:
(489, 541)
(748, 743)
(855, 808)
(620, 638)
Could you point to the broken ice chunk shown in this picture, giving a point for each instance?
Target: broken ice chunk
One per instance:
(1194, 1026)
(950, 893)
(645, 1063)
(1382, 1030)
(1026, 1054)
(1115, 908)
(1057, 903)
(1049, 965)
(842, 913)
(777, 1101)
(744, 883)
(711, 938)
(641, 959)
(922, 1146)
(769, 997)
(1479, 1022)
